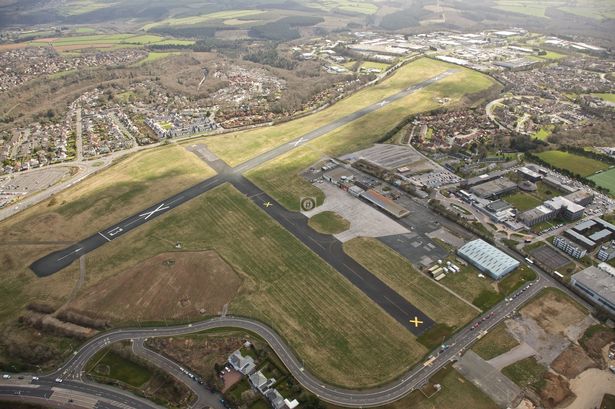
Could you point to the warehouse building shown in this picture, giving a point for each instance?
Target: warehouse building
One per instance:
(487, 258)
(494, 188)
(596, 285)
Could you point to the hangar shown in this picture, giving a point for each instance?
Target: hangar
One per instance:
(487, 258)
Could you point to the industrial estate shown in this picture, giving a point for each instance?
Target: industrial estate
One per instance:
(307, 204)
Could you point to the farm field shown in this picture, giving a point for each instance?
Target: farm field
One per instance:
(199, 19)
(326, 320)
(102, 199)
(280, 177)
(577, 164)
(440, 305)
(529, 8)
(606, 180)
(106, 41)
(155, 56)
(238, 147)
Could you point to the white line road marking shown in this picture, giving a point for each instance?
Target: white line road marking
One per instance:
(72, 252)
(160, 208)
(105, 237)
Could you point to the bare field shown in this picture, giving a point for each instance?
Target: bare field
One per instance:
(168, 286)
(554, 311)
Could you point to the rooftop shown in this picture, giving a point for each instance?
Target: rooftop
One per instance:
(599, 281)
(488, 258)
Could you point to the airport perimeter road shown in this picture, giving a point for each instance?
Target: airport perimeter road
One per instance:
(72, 370)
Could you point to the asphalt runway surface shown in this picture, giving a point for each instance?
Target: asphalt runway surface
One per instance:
(56, 261)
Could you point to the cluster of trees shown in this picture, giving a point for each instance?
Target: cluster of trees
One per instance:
(600, 133)
(284, 29)
(409, 17)
(270, 56)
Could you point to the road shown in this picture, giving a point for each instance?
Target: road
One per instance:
(73, 370)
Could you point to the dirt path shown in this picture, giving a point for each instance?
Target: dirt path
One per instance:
(590, 386)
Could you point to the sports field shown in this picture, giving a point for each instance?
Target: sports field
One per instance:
(577, 164)
(238, 147)
(280, 177)
(605, 180)
(342, 335)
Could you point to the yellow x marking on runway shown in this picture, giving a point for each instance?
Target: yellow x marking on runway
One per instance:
(268, 204)
(416, 321)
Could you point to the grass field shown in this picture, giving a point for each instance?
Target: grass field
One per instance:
(606, 180)
(329, 223)
(109, 364)
(154, 56)
(377, 65)
(103, 199)
(280, 176)
(523, 201)
(495, 343)
(543, 133)
(484, 292)
(342, 335)
(580, 165)
(440, 305)
(526, 373)
(238, 147)
(606, 97)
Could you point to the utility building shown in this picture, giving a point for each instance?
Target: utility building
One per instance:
(487, 258)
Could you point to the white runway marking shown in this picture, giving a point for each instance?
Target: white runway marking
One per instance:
(160, 208)
(298, 141)
(72, 252)
(105, 237)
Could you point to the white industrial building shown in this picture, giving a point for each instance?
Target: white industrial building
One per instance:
(487, 258)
